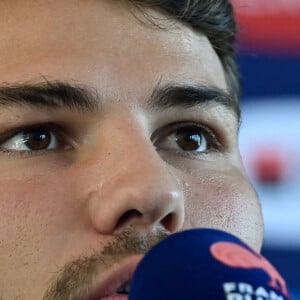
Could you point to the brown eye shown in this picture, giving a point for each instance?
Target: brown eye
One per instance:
(187, 138)
(35, 138)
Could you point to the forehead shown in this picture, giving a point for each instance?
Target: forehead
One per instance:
(104, 41)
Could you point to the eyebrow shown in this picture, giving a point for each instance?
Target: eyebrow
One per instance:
(50, 94)
(58, 94)
(186, 96)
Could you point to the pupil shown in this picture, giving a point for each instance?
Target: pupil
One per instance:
(188, 140)
(37, 139)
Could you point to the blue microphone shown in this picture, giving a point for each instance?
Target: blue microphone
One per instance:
(205, 264)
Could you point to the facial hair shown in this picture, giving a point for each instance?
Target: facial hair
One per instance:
(74, 280)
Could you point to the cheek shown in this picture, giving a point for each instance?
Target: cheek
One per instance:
(34, 215)
(227, 203)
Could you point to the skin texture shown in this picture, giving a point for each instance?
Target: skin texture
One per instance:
(116, 181)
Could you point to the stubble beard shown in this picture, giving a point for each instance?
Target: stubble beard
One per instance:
(74, 279)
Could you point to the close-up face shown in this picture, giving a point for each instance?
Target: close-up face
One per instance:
(114, 133)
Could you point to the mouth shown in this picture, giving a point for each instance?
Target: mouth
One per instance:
(124, 289)
(115, 284)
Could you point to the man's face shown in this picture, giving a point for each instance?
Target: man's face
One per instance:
(114, 133)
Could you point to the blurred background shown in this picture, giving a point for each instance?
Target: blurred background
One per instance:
(269, 59)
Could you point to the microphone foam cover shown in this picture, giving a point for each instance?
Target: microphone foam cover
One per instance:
(205, 264)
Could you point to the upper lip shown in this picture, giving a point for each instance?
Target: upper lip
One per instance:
(120, 273)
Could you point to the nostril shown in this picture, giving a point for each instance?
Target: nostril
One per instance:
(169, 222)
(127, 216)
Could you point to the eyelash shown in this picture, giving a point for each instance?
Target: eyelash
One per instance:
(213, 142)
(158, 137)
(58, 131)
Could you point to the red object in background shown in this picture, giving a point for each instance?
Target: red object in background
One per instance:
(269, 25)
(269, 165)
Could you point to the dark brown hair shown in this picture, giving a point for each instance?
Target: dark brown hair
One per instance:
(214, 18)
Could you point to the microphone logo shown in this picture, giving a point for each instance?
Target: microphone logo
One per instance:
(237, 256)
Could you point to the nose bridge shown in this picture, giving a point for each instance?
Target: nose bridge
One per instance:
(129, 151)
(137, 186)
(128, 147)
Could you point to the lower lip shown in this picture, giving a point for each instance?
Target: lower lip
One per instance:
(109, 286)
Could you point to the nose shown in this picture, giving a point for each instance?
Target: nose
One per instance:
(133, 186)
